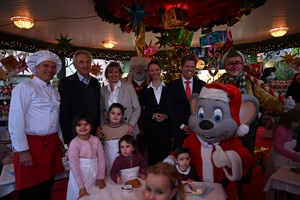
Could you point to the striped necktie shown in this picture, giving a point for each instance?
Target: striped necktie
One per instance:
(188, 90)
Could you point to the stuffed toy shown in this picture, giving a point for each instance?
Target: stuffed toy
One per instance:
(220, 113)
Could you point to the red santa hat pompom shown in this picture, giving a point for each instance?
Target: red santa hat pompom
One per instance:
(227, 93)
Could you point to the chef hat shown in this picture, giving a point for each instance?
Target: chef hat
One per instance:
(226, 93)
(232, 53)
(40, 56)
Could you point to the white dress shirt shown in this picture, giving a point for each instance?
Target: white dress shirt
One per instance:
(34, 110)
(158, 91)
(113, 95)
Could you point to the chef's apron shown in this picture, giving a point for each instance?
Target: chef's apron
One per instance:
(111, 149)
(89, 171)
(46, 153)
(130, 173)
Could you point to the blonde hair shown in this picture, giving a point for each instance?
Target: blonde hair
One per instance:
(171, 173)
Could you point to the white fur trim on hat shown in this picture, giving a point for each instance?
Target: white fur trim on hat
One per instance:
(40, 56)
(242, 130)
(212, 93)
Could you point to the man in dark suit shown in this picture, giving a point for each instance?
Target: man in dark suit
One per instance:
(178, 104)
(80, 94)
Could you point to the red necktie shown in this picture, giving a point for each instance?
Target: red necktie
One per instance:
(188, 90)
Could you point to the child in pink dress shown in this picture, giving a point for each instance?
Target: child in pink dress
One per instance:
(87, 162)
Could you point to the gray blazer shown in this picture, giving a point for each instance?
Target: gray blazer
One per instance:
(128, 98)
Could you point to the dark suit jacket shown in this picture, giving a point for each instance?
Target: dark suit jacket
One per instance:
(150, 106)
(178, 106)
(74, 103)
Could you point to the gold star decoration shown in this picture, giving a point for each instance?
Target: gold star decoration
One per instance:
(64, 43)
(288, 58)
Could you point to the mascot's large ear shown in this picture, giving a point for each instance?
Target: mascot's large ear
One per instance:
(249, 109)
(193, 102)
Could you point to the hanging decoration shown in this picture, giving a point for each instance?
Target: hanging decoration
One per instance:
(180, 36)
(22, 65)
(288, 58)
(12, 66)
(192, 15)
(137, 24)
(175, 18)
(95, 69)
(64, 43)
(149, 51)
(162, 41)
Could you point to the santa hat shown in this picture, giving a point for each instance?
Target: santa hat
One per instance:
(231, 95)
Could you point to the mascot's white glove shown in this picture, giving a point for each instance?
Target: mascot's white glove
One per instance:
(220, 158)
(289, 103)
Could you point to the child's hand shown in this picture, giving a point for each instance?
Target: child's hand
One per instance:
(143, 176)
(101, 183)
(119, 180)
(82, 192)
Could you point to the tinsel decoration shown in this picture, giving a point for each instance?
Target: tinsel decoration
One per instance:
(64, 43)
(172, 63)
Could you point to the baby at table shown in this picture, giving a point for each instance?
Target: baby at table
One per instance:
(86, 157)
(129, 164)
(186, 171)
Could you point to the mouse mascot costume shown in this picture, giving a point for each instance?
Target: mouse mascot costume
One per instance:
(220, 113)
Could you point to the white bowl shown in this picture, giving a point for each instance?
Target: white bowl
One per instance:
(127, 188)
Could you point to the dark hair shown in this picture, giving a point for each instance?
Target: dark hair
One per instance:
(288, 118)
(181, 150)
(78, 118)
(116, 105)
(130, 140)
(111, 66)
(187, 58)
(154, 62)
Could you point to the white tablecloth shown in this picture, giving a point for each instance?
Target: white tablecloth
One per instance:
(7, 179)
(113, 191)
(284, 179)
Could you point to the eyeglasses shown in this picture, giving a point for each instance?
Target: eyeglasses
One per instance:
(238, 64)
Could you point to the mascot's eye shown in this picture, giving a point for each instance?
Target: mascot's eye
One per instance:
(218, 115)
(200, 113)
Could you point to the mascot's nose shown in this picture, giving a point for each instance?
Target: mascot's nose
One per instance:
(206, 125)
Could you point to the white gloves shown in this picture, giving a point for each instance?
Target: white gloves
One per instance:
(220, 158)
(289, 103)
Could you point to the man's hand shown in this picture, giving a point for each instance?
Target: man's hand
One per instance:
(25, 158)
(187, 130)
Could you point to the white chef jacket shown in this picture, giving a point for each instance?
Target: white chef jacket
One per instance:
(34, 110)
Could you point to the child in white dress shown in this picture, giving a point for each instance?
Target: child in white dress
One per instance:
(112, 132)
(86, 157)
